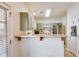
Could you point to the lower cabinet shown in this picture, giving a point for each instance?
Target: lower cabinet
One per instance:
(48, 47)
(25, 47)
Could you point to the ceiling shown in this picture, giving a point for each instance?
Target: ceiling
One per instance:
(58, 8)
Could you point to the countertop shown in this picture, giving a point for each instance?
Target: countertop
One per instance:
(40, 35)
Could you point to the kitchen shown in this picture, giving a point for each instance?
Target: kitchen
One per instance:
(31, 33)
(47, 40)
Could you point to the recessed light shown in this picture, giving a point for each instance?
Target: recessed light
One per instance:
(47, 12)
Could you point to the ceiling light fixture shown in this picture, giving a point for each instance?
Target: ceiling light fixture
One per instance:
(34, 13)
(47, 12)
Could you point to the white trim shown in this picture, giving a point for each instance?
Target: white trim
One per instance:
(8, 32)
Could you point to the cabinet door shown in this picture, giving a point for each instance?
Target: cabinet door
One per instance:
(37, 48)
(48, 47)
(25, 47)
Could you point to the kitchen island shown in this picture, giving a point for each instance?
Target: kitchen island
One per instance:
(41, 45)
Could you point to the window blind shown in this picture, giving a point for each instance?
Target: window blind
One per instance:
(3, 32)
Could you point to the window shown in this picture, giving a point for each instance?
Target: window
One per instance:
(3, 32)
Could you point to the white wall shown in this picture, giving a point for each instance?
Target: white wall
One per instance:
(21, 7)
(72, 19)
(14, 26)
(72, 16)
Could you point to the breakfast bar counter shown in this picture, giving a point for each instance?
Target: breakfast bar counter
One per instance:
(41, 45)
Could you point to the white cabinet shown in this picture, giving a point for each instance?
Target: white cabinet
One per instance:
(25, 47)
(49, 47)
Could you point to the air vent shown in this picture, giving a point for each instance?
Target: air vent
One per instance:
(42, 12)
